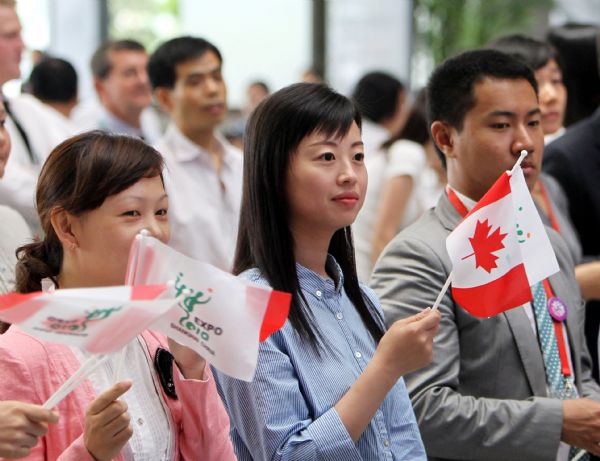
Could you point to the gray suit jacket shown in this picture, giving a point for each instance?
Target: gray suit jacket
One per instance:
(484, 395)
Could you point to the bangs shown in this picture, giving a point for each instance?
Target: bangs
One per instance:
(331, 116)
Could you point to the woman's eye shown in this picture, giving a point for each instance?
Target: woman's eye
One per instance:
(162, 212)
(131, 213)
(359, 156)
(328, 156)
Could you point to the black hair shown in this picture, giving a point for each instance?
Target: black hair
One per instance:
(274, 131)
(451, 87)
(101, 64)
(579, 48)
(535, 53)
(416, 128)
(164, 61)
(376, 95)
(54, 80)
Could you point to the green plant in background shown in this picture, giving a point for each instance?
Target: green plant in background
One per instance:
(444, 28)
(147, 21)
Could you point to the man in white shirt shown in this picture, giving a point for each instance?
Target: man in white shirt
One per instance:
(34, 129)
(123, 90)
(203, 171)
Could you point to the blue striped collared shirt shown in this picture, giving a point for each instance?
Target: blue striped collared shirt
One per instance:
(287, 412)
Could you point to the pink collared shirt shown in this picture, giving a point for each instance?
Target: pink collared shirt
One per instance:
(33, 369)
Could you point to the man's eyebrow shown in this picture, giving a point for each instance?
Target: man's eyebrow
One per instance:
(507, 113)
(501, 113)
(206, 72)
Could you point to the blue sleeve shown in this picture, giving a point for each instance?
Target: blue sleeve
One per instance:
(271, 418)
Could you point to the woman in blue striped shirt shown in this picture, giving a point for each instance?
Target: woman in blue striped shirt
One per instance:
(328, 385)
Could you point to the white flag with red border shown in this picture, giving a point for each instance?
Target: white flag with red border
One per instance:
(222, 317)
(500, 249)
(98, 320)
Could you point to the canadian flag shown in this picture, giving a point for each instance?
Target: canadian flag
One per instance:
(500, 249)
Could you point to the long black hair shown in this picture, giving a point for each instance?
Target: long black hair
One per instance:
(274, 131)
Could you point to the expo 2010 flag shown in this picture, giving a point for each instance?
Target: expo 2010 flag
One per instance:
(220, 316)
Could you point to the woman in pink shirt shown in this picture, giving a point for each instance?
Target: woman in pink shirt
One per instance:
(95, 193)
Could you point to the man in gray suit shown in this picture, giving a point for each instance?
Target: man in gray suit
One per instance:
(485, 395)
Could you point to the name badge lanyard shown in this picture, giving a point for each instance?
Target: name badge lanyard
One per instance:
(557, 309)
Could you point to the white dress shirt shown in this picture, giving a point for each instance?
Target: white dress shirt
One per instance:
(44, 130)
(204, 205)
(153, 436)
(14, 232)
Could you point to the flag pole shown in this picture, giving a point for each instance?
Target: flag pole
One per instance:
(129, 280)
(518, 164)
(442, 292)
(87, 367)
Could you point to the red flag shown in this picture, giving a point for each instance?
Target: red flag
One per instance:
(499, 250)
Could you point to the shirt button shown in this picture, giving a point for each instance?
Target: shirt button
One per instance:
(339, 316)
(140, 421)
(358, 355)
(318, 293)
(386, 443)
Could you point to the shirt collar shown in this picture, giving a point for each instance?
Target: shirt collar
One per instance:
(466, 201)
(184, 149)
(552, 136)
(314, 283)
(112, 123)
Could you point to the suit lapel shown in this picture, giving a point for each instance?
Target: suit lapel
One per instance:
(528, 348)
(446, 213)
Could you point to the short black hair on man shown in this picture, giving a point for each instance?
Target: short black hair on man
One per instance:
(451, 87)
(163, 62)
(101, 64)
(376, 95)
(54, 80)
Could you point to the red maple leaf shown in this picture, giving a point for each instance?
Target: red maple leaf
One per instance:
(484, 244)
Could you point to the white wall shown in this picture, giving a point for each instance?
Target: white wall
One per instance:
(367, 35)
(75, 35)
(259, 39)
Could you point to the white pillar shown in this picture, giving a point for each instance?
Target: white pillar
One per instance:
(74, 36)
(363, 36)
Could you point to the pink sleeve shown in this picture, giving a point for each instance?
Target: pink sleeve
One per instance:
(28, 371)
(76, 452)
(204, 421)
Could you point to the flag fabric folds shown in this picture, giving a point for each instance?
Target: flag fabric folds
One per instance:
(220, 316)
(97, 320)
(500, 249)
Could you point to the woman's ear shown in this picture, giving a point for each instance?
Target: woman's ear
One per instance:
(441, 133)
(62, 222)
